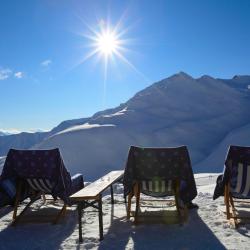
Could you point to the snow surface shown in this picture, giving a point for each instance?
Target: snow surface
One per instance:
(206, 228)
(239, 136)
(84, 126)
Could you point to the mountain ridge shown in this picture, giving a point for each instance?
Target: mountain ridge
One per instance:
(178, 110)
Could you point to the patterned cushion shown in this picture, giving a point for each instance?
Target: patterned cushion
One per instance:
(41, 184)
(157, 187)
(39, 164)
(4, 199)
(9, 187)
(144, 164)
(240, 181)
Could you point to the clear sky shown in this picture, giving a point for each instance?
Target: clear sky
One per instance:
(45, 77)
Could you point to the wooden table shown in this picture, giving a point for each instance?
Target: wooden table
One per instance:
(94, 192)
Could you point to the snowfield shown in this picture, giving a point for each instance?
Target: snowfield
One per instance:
(206, 228)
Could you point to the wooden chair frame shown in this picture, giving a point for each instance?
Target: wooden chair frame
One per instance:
(230, 206)
(35, 196)
(182, 213)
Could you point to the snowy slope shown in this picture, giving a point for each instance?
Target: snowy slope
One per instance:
(179, 110)
(215, 161)
(22, 140)
(241, 83)
(26, 140)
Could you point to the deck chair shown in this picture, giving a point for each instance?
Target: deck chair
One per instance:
(236, 179)
(37, 173)
(159, 172)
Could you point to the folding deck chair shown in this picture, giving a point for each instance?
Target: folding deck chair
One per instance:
(236, 181)
(159, 172)
(37, 173)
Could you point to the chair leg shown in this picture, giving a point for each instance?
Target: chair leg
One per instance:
(176, 196)
(233, 210)
(44, 199)
(226, 198)
(61, 213)
(17, 217)
(231, 201)
(130, 196)
(18, 194)
(137, 194)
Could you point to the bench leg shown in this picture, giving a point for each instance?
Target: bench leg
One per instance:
(100, 217)
(112, 194)
(79, 208)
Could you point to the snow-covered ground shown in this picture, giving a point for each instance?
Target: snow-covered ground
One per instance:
(206, 228)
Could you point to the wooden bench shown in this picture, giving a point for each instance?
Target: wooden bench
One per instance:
(94, 192)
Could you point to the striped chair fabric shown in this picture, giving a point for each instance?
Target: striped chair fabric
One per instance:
(157, 187)
(240, 183)
(43, 185)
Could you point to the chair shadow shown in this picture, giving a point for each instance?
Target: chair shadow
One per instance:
(194, 234)
(5, 210)
(30, 233)
(244, 225)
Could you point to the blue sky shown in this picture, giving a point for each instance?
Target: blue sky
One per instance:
(42, 81)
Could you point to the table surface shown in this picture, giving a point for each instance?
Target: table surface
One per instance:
(93, 190)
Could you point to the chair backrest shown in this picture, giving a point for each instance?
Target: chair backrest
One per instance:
(158, 169)
(238, 165)
(44, 171)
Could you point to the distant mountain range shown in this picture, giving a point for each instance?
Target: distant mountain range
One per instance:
(206, 114)
(4, 133)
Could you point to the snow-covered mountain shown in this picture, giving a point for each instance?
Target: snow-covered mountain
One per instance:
(25, 140)
(179, 110)
(3, 133)
(206, 114)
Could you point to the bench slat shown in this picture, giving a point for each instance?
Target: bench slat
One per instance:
(95, 188)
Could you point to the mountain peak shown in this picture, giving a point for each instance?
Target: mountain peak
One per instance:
(243, 80)
(183, 75)
(206, 77)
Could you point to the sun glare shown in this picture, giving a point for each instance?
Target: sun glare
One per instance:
(107, 43)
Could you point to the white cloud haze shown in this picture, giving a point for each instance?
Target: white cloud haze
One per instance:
(46, 63)
(5, 73)
(19, 74)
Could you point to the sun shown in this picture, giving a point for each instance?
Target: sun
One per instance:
(107, 43)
